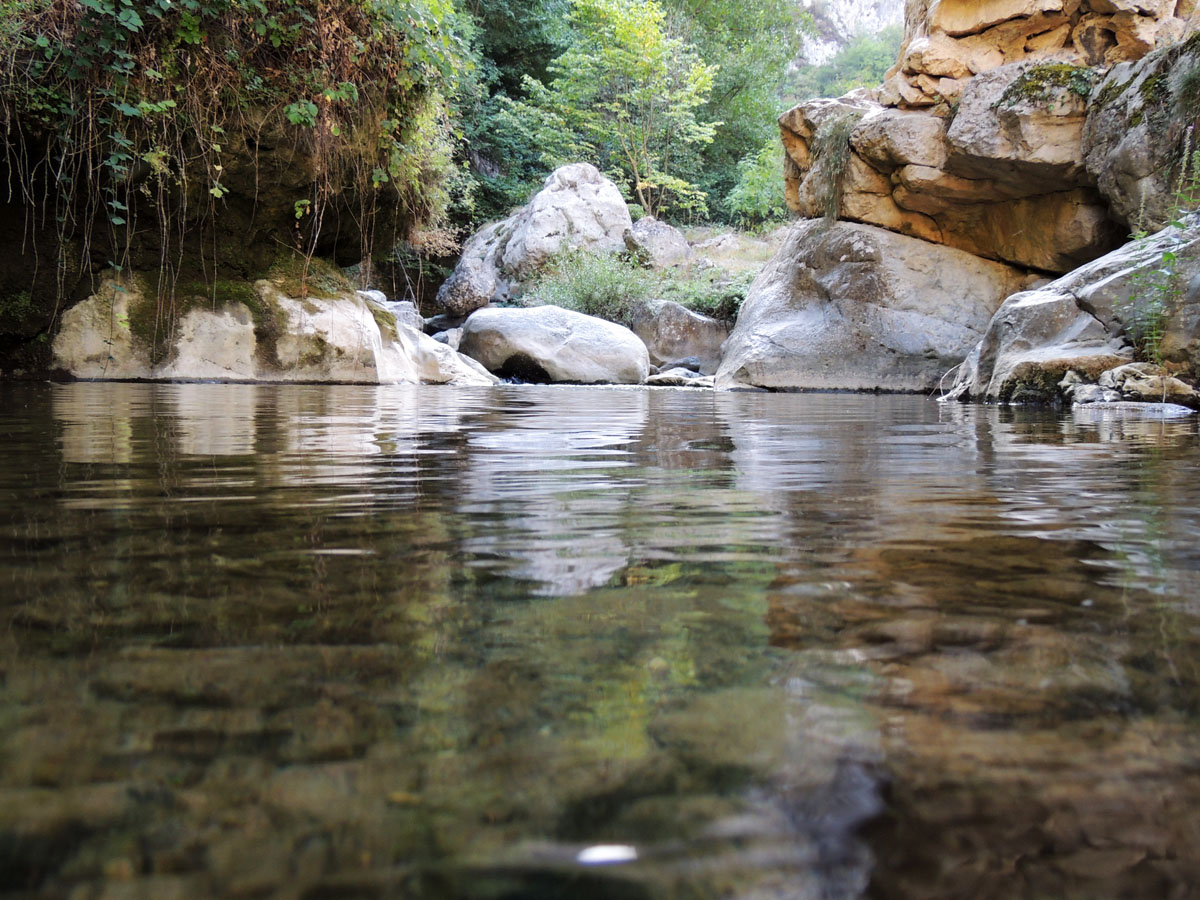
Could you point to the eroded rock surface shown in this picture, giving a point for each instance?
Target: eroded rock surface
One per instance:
(1079, 322)
(343, 338)
(1137, 128)
(995, 135)
(672, 332)
(849, 306)
(1004, 179)
(657, 243)
(948, 41)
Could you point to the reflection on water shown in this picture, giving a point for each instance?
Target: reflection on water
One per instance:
(300, 641)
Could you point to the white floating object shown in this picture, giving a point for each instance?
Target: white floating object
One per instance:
(607, 854)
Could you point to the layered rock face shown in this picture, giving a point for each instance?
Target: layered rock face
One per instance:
(1033, 133)
(982, 136)
(949, 41)
(269, 337)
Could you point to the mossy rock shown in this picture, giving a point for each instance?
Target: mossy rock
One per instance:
(385, 320)
(1034, 383)
(1042, 83)
(299, 276)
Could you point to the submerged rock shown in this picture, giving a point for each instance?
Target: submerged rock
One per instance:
(550, 344)
(117, 334)
(1146, 382)
(680, 377)
(577, 208)
(852, 307)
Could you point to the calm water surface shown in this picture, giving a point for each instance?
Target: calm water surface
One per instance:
(419, 642)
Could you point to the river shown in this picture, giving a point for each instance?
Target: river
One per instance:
(521, 642)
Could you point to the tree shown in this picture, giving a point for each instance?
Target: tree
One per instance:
(758, 195)
(752, 43)
(626, 93)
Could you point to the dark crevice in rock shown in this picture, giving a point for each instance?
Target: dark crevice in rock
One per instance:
(522, 368)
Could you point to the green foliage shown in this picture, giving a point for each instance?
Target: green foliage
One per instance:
(141, 105)
(861, 63)
(602, 285)
(751, 43)
(516, 131)
(758, 196)
(711, 293)
(508, 40)
(831, 155)
(613, 287)
(626, 94)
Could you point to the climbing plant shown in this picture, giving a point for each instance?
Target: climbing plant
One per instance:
(122, 116)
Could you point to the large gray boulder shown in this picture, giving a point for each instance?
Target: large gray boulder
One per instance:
(657, 244)
(854, 307)
(476, 280)
(1077, 322)
(672, 332)
(551, 344)
(577, 208)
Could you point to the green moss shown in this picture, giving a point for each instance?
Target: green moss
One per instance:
(1155, 89)
(151, 321)
(1187, 93)
(315, 353)
(1034, 383)
(269, 324)
(298, 276)
(220, 293)
(15, 309)
(1043, 82)
(385, 320)
(1111, 92)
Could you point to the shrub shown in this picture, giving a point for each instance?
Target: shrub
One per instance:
(712, 293)
(120, 110)
(612, 287)
(758, 195)
(602, 285)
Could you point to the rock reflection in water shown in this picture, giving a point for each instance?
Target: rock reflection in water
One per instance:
(375, 642)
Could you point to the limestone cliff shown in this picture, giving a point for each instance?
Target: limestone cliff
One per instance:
(1032, 133)
(980, 138)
